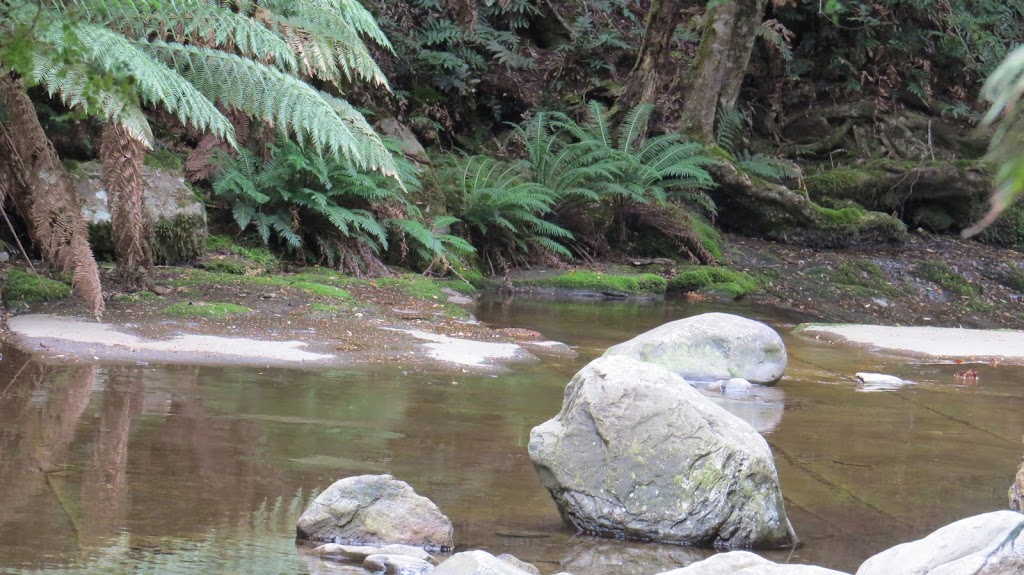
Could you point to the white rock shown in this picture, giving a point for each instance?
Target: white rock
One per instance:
(988, 544)
(882, 378)
(476, 563)
(746, 563)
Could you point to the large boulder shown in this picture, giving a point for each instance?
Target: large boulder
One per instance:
(987, 544)
(710, 347)
(177, 215)
(375, 510)
(746, 563)
(637, 453)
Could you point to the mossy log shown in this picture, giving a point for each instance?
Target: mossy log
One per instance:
(889, 185)
(938, 196)
(752, 205)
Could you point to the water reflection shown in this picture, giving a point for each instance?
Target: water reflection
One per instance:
(188, 469)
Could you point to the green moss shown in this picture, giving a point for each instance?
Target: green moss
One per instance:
(179, 240)
(1007, 231)
(327, 308)
(226, 265)
(30, 288)
(640, 284)
(136, 297)
(940, 274)
(863, 279)
(322, 290)
(709, 236)
(205, 310)
(733, 283)
(164, 159)
(460, 286)
(258, 255)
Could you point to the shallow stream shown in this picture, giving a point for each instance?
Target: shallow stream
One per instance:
(172, 469)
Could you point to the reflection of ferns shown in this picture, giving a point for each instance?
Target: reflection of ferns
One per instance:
(326, 210)
(501, 212)
(262, 544)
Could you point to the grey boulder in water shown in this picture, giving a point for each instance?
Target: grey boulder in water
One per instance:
(375, 510)
(637, 453)
(710, 347)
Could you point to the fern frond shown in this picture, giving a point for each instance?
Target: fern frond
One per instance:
(634, 126)
(198, 21)
(291, 105)
(76, 87)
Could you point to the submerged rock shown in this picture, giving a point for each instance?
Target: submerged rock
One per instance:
(987, 544)
(636, 453)
(746, 563)
(711, 346)
(477, 563)
(358, 553)
(375, 510)
(397, 565)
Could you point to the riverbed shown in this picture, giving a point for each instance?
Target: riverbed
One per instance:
(200, 469)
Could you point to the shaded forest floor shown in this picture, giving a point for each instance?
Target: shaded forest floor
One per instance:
(930, 280)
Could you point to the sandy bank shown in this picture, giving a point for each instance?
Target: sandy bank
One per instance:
(941, 342)
(62, 336)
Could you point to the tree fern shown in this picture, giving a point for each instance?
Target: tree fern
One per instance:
(500, 212)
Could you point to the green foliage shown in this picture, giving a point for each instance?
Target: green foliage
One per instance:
(110, 58)
(327, 211)
(734, 284)
(729, 137)
(941, 274)
(28, 287)
(1004, 90)
(595, 168)
(212, 310)
(448, 50)
(500, 212)
(641, 284)
(933, 50)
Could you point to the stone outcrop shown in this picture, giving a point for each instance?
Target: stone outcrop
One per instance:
(177, 216)
(375, 510)
(710, 347)
(637, 453)
(987, 544)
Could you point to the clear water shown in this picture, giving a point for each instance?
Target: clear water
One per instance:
(170, 469)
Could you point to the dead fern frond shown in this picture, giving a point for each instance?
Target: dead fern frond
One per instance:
(45, 194)
(122, 156)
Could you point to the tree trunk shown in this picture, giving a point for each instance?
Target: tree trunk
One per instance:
(643, 81)
(729, 34)
(44, 193)
(122, 158)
